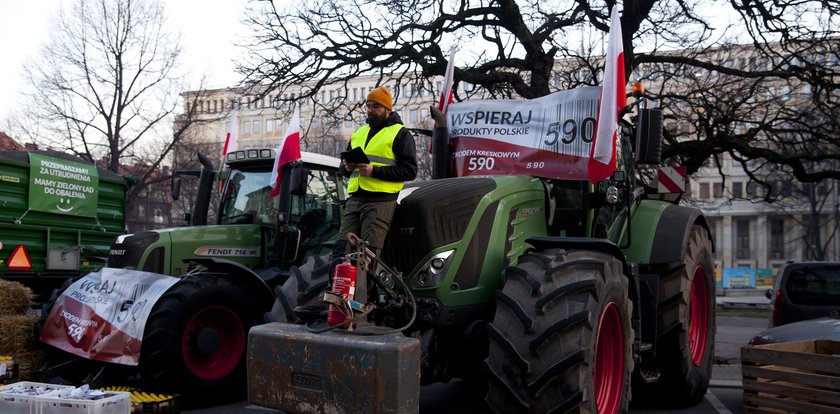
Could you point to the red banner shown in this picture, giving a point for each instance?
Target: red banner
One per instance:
(547, 137)
(102, 315)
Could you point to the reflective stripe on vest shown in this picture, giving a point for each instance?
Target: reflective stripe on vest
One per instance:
(380, 153)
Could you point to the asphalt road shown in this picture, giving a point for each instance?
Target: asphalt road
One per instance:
(724, 397)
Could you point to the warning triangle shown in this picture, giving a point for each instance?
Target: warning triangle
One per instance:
(19, 260)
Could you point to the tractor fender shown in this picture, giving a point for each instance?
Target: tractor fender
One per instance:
(660, 232)
(240, 273)
(581, 243)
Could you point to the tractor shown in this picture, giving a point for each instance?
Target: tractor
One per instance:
(557, 295)
(220, 281)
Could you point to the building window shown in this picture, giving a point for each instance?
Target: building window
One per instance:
(737, 189)
(246, 127)
(413, 116)
(752, 189)
(257, 126)
(742, 239)
(269, 126)
(777, 238)
(717, 190)
(704, 191)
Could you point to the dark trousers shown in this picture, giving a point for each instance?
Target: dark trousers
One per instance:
(366, 219)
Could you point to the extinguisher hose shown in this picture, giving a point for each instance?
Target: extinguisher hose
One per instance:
(315, 327)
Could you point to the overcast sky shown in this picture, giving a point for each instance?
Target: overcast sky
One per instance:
(209, 29)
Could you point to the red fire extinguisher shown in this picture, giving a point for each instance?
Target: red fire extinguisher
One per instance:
(344, 284)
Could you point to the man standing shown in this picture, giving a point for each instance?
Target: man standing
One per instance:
(374, 186)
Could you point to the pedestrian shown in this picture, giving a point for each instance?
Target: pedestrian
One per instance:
(373, 187)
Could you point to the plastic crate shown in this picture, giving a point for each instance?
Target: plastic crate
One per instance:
(111, 402)
(19, 397)
(150, 403)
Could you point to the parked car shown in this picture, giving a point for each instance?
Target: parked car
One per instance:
(804, 290)
(827, 327)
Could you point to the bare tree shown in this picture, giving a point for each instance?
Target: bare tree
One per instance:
(104, 85)
(512, 48)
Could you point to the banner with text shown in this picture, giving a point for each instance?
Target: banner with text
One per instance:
(546, 137)
(102, 316)
(62, 187)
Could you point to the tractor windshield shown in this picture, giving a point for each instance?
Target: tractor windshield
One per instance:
(245, 198)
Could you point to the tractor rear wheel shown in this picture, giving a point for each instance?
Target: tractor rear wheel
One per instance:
(195, 340)
(686, 327)
(301, 288)
(561, 339)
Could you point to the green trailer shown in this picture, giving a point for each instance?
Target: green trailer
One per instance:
(58, 217)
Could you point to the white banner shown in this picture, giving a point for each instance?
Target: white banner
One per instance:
(102, 316)
(546, 137)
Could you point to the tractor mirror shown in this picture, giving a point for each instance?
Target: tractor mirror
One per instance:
(176, 187)
(649, 136)
(297, 180)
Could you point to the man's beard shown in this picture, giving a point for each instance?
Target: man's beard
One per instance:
(376, 120)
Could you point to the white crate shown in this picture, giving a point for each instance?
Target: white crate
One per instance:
(112, 402)
(12, 401)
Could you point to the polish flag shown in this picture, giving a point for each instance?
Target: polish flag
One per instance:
(613, 100)
(230, 140)
(288, 151)
(448, 80)
(230, 145)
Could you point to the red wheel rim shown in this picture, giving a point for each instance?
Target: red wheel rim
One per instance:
(698, 322)
(227, 344)
(609, 361)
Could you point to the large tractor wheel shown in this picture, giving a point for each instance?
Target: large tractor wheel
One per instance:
(70, 368)
(561, 340)
(301, 288)
(686, 326)
(195, 339)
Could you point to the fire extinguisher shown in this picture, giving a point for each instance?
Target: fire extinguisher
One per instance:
(344, 284)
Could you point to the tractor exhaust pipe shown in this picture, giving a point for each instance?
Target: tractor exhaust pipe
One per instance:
(205, 188)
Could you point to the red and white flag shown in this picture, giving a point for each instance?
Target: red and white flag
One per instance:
(230, 145)
(288, 151)
(613, 100)
(448, 80)
(230, 140)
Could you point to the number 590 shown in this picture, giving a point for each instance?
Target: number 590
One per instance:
(481, 163)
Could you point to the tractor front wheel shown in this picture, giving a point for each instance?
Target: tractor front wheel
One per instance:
(195, 340)
(561, 339)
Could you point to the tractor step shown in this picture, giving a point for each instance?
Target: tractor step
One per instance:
(295, 370)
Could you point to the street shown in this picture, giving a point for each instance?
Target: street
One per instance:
(724, 396)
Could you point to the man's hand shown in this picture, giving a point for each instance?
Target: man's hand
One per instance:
(365, 169)
(349, 166)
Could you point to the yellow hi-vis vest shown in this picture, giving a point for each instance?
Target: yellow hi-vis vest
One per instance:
(380, 153)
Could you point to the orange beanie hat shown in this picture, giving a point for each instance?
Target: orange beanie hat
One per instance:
(381, 96)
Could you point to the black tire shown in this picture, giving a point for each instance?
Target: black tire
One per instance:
(685, 326)
(544, 336)
(54, 357)
(195, 340)
(303, 287)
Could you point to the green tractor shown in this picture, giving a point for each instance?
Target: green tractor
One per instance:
(558, 295)
(220, 279)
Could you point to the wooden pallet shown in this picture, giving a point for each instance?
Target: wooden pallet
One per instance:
(792, 377)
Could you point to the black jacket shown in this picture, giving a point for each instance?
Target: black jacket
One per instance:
(404, 170)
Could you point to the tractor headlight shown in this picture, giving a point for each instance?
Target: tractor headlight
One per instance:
(432, 273)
